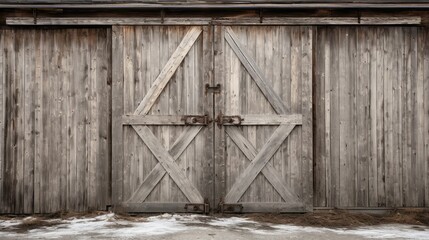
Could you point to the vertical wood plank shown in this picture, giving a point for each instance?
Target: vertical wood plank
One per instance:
(38, 116)
(396, 115)
(117, 112)
(296, 88)
(20, 95)
(380, 118)
(419, 124)
(93, 126)
(104, 74)
(72, 127)
(426, 113)
(28, 123)
(307, 113)
(362, 116)
(219, 134)
(335, 119)
(207, 185)
(2, 115)
(372, 166)
(9, 168)
(320, 118)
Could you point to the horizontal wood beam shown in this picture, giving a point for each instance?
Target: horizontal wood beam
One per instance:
(152, 120)
(106, 21)
(273, 207)
(154, 207)
(187, 5)
(261, 119)
(220, 21)
(176, 120)
(390, 20)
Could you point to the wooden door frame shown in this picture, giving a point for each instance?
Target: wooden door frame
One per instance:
(139, 121)
(225, 36)
(219, 170)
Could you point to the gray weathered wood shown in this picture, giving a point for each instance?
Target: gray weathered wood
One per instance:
(403, 20)
(390, 20)
(255, 72)
(50, 119)
(270, 207)
(253, 119)
(279, 53)
(158, 171)
(117, 112)
(153, 120)
(222, 5)
(167, 162)
(269, 172)
(168, 71)
(259, 162)
(376, 129)
(157, 207)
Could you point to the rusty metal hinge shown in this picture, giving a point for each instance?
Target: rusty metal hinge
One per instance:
(213, 89)
(234, 120)
(196, 120)
(230, 207)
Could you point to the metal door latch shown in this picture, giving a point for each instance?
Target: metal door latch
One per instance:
(196, 120)
(213, 89)
(234, 120)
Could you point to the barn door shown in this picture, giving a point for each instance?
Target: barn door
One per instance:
(162, 147)
(263, 133)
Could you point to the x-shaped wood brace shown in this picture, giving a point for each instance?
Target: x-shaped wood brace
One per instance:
(259, 163)
(167, 164)
(258, 160)
(166, 158)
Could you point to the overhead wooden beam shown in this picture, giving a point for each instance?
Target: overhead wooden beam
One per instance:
(106, 21)
(414, 20)
(390, 20)
(187, 5)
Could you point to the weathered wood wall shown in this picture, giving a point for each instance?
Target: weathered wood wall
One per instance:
(371, 117)
(54, 120)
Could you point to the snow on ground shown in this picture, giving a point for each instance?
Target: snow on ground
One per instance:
(109, 226)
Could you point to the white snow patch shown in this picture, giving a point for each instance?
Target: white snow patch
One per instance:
(108, 226)
(230, 222)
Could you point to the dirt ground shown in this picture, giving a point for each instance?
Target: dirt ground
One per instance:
(322, 225)
(331, 219)
(345, 219)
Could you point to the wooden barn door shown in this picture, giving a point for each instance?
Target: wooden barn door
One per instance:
(264, 120)
(240, 140)
(162, 139)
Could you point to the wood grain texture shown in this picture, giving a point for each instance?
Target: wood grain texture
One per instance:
(168, 71)
(164, 161)
(269, 172)
(274, 21)
(167, 162)
(60, 109)
(158, 171)
(265, 72)
(381, 113)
